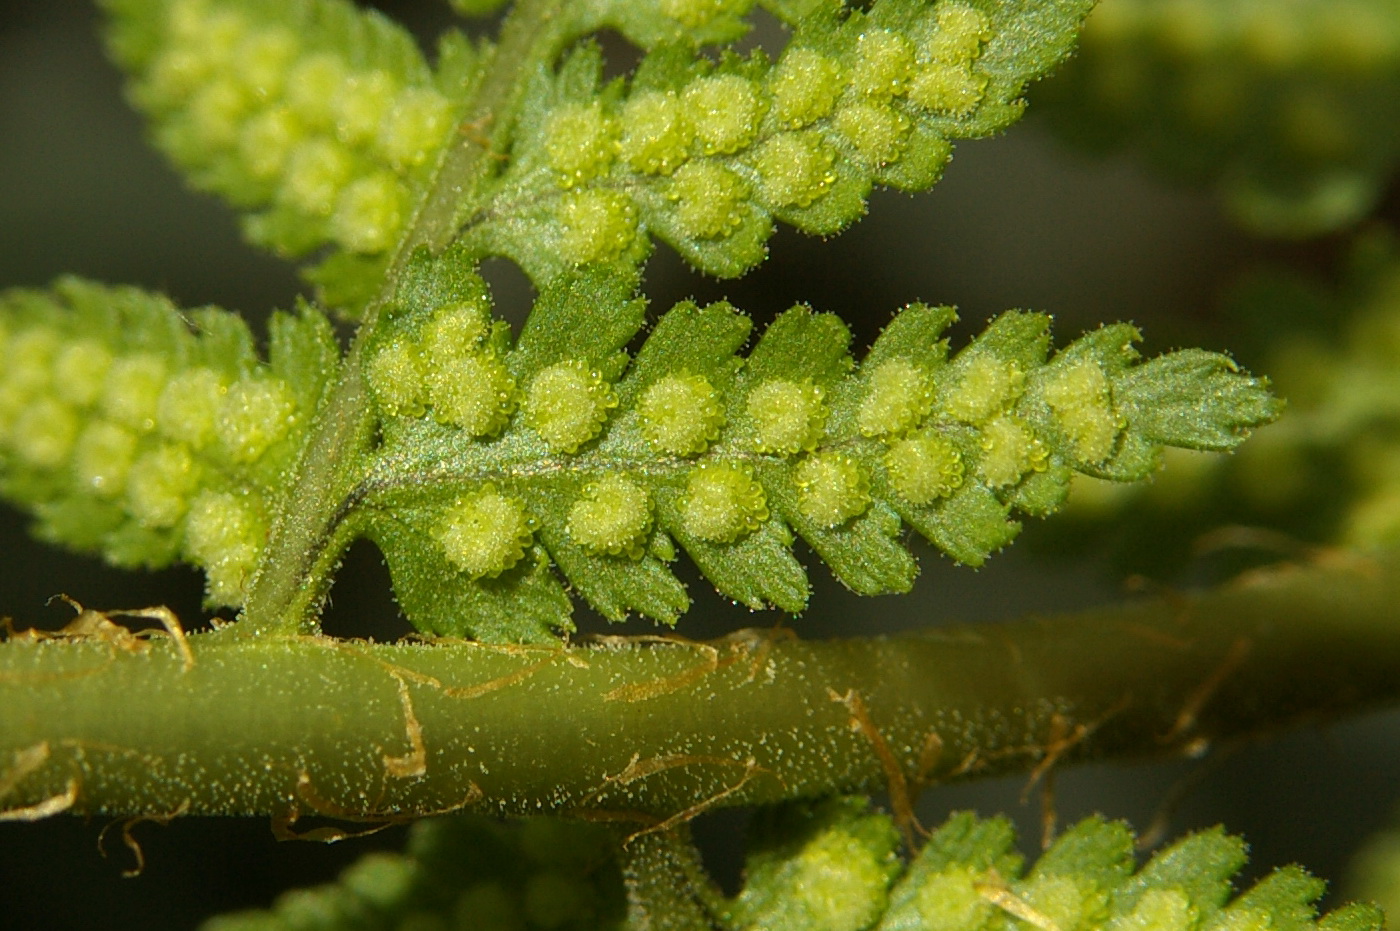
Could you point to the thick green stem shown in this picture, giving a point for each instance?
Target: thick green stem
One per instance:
(307, 537)
(287, 726)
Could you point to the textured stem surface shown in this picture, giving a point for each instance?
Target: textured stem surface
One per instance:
(654, 730)
(306, 542)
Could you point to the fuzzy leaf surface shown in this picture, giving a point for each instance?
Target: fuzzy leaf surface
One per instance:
(147, 434)
(503, 461)
(707, 155)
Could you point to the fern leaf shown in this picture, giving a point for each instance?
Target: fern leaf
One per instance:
(1320, 474)
(708, 155)
(145, 434)
(318, 119)
(498, 460)
(1286, 110)
(828, 865)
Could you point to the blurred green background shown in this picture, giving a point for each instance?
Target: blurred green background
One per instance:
(1018, 222)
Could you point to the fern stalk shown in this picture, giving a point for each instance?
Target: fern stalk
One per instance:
(307, 539)
(284, 726)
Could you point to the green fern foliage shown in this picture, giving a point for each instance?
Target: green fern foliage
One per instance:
(147, 434)
(1327, 473)
(500, 459)
(830, 865)
(707, 155)
(1288, 109)
(318, 119)
(463, 874)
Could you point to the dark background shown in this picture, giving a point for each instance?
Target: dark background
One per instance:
(1018, 222)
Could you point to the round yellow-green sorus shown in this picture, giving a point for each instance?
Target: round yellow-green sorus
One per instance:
(613, 517)
(794, 169)
(804, 85)
(486, 533)
(254, 414)
(395, 374)
(43, 433)
(224, 534)
(883, 62)
(312, 85)
(473, 392)
(80, 370)
(360, 103)
(788, 417)
(132, 393)
(947, 87)
(597, 225)
(725, 111)
(173, 76)
(263, 59)
(159, 485)
(316, 171)
(709, 199)
(1079, 397)
(215, 32)
(455, 330)
(834, 881)
(1164, 910)
(189, 405)
(416, 127)
(1009, 451)
(656, 135)
(29, 362)
(370, 212)
(832, 488)
(266, 142)
(924, 467)
(217, 112)
(898, 395)
(878, 132)
(580, 142)
(985, 387)
(950, 900)
(681, 414)
(958, 33)
(567, 404)
(722, 503)
(102, 458)
(1066, 899)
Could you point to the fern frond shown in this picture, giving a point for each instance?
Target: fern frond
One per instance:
(707, 155)
(319, 120)
(463, 872)
(1327, 471)
(147, 434)
(498, 460)
(1287, 109)
(830, 865)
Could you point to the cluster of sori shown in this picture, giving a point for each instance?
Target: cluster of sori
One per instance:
(321, 118)
(705, 156)
(463, 874)
(1286, 107)
(558, 450)
(128, 435)
(835, 858)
